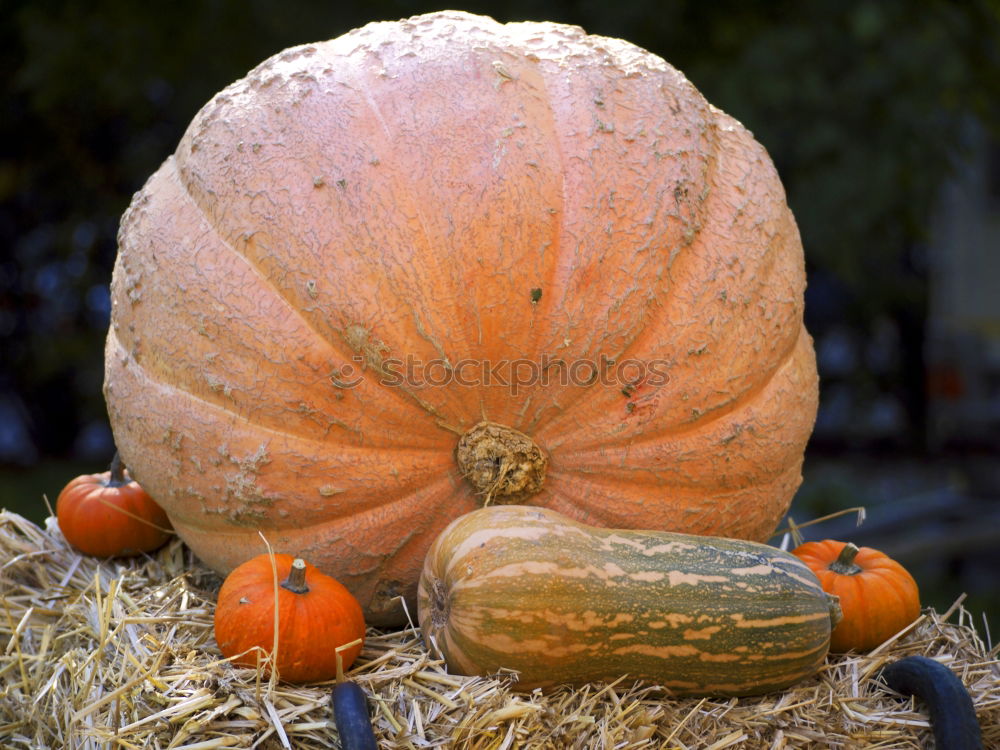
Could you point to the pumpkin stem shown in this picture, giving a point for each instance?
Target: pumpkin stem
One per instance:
(502, 464)
(296, 581)
(117, 468)
(844, 564)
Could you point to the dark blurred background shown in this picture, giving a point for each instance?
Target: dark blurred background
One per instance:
(883, 117)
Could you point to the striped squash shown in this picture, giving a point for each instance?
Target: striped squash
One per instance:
(527, 589)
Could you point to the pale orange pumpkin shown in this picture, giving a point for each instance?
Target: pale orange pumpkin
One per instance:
(317, 619)
(433, 263)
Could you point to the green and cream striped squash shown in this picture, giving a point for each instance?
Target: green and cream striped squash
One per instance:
(522, 588)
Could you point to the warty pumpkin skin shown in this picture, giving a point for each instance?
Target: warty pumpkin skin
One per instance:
(459, 198)
(527, 589)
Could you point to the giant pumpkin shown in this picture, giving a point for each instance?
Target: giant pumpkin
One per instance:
(442, 262)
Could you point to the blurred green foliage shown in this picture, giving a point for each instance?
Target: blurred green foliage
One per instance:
(860, 102)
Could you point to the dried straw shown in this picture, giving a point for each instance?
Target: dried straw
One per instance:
(120, 654)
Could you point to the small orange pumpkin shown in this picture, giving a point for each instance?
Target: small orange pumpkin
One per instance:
(878, 596)
(109, 514)
(316, 615)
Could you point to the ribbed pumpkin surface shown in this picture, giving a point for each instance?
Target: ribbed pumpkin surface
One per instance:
(512, 587)
(437, 192)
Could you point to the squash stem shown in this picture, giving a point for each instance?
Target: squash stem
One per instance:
(296, 581)
(117, 468)
(836, 612)
(844, 564)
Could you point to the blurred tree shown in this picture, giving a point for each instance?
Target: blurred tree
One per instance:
(859, 102)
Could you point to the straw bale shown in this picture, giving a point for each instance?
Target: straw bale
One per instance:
(121, 654)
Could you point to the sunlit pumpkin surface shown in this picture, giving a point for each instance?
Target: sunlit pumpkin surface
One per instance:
(369, 246)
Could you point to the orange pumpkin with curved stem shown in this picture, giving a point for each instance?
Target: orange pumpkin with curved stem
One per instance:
(315, 616)
(109, 514)
(435, 263)
(878, 596)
